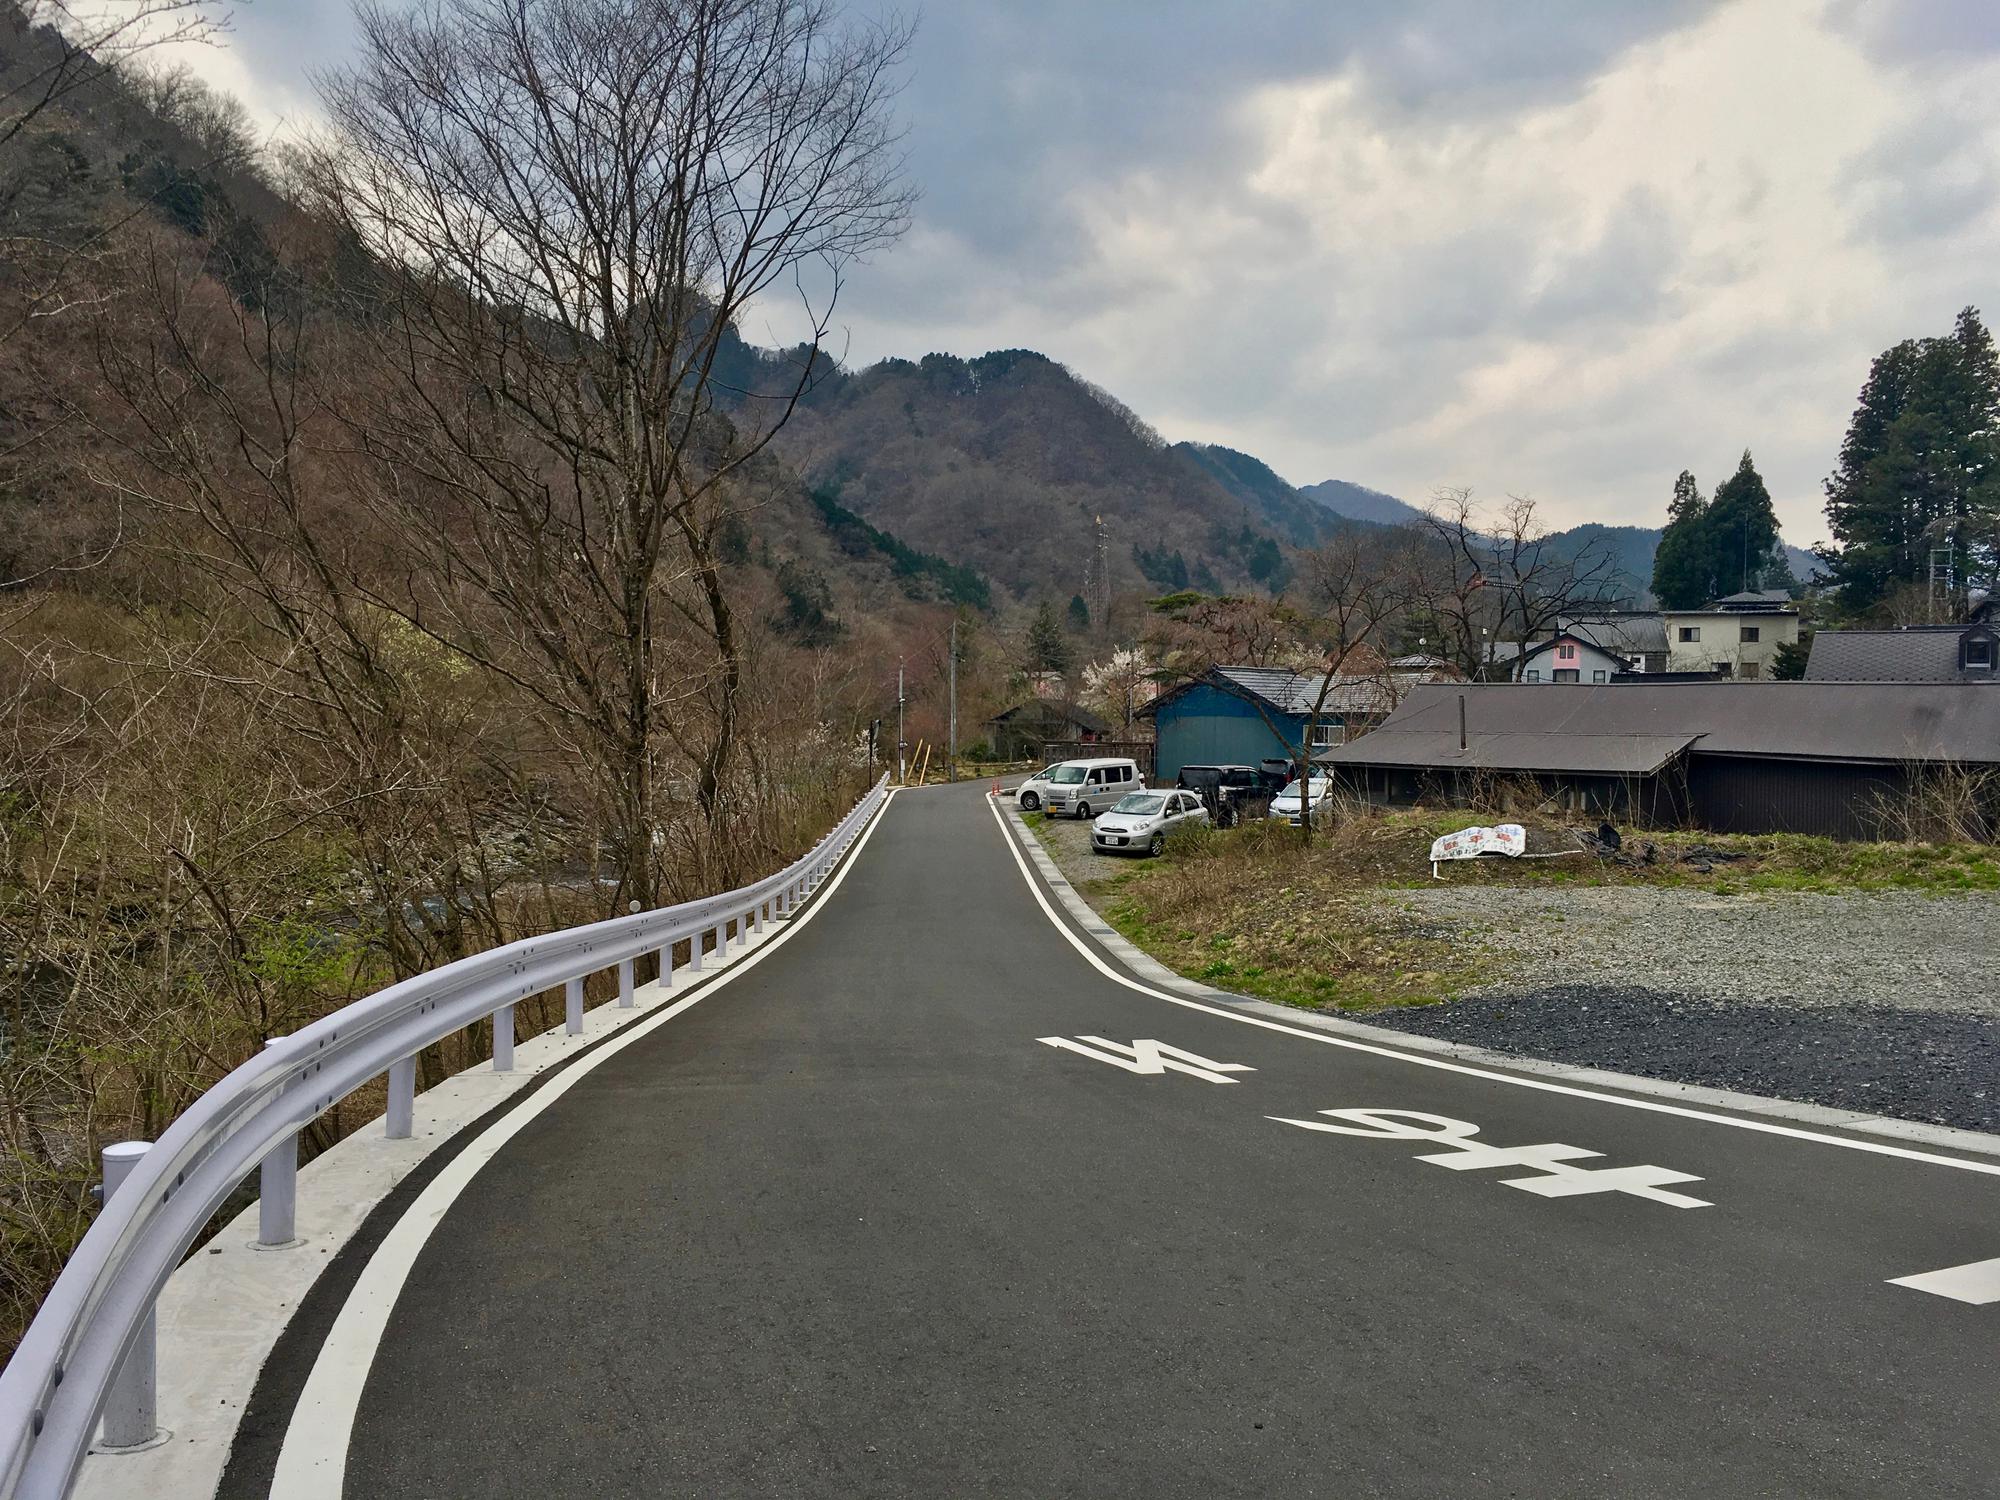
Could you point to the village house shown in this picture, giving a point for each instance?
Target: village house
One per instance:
(1914, 653)
(1830, 758)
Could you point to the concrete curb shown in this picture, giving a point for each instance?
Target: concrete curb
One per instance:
(1150, 969)
(223, 1310)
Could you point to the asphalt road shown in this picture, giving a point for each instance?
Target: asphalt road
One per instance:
(850, 1227)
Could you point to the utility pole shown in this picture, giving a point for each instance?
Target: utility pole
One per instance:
(902, 745)
(951, 751)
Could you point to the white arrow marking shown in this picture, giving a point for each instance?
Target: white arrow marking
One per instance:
(1977, 1283)
(1149, 1057)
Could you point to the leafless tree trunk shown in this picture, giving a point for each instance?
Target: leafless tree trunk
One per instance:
(1499, 579)
(565, 209)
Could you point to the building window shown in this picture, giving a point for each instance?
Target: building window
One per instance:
(1598, 677)
(1326, 734)
(1566, 674)
(1752, 634)
(1979, 655)
(1690, 634)
(1748, 669)
(1565, 653)
(1534, 676)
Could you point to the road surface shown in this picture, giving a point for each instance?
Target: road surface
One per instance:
(920, 1202)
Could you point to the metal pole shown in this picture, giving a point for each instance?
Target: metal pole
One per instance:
(573, 1006)
(503, 1039)
(666, 967)
(902, 764)
(951, 747)
(278, 1191)
(131, 1406)
(402, 1098)
(625, 985)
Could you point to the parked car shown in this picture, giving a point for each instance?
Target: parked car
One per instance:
(1140, 823)
(1230, 793)
(1028, 796)
(1084, 788)
(1289, 805)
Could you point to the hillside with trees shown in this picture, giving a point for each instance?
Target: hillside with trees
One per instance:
(1004, 463)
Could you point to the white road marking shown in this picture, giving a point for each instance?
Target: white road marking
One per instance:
(1977, 1283)
(1149, 1057)
(1651, 1106)
(312, 1465)
(1558, 1179)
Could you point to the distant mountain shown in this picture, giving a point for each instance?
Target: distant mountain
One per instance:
(1359, 503)
(1005, 463)
(1631, 547)
(1252, 481)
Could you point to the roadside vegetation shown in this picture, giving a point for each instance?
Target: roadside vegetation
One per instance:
(1259, 910)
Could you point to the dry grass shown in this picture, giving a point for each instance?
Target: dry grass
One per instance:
(1258, 910)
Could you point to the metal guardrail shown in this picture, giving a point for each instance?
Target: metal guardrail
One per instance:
(89, 1352)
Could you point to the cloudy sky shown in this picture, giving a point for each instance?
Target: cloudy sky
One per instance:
(1556, 247)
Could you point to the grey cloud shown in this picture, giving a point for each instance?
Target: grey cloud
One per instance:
(1622, 277)
(1934, 178)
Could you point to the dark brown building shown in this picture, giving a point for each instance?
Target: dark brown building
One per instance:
(1833, 758)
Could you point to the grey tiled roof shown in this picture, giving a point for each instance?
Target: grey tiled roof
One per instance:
(1519, 728)
(1620, 634)
(1296, 692)
(1925, 653)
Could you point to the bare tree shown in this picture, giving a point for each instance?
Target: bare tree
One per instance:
(1501, 579)
(59, 46)
(566, 208)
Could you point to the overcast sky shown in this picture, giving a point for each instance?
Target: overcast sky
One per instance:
(1556, 247)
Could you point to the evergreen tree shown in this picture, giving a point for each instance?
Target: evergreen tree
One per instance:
(1047, 647)
(1683, 565)
(1919, 475)
(1079, 614)
(1742, 531)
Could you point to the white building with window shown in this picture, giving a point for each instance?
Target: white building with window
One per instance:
(1734, 637)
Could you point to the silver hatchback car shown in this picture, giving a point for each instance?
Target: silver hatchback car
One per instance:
(1140, 823)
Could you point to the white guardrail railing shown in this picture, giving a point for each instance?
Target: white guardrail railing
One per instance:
(90, 1352)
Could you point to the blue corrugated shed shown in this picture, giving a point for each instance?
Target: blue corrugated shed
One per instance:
(1238, 716)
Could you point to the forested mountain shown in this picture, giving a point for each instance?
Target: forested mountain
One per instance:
(1004, 463)
(1359, 503)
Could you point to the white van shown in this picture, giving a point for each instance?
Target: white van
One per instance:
(1085, 788)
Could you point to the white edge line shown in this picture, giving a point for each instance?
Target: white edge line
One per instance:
(1763, 1127)
(312, 1464)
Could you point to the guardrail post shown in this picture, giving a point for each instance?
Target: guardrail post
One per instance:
(573, 1006)
(757, 918)
(721, 937)
(278, 1191)
(694, 953)
(503, 1039)
(666, 966)
(402, 1098)
(131, 1405)
(625, 985)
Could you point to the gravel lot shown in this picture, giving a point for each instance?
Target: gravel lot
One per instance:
(1892, 949)
(1881, 1001)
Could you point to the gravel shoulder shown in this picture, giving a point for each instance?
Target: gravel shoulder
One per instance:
(1883, 1001)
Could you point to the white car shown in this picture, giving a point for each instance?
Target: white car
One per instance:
(1139, 823)
(1032, 793)
(1289, 805)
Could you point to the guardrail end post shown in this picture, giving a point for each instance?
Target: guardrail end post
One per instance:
(573, 1006)
(278, 1196)
(402, 1098)
(503, 1039)
(625, 985)
(131, 1405)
